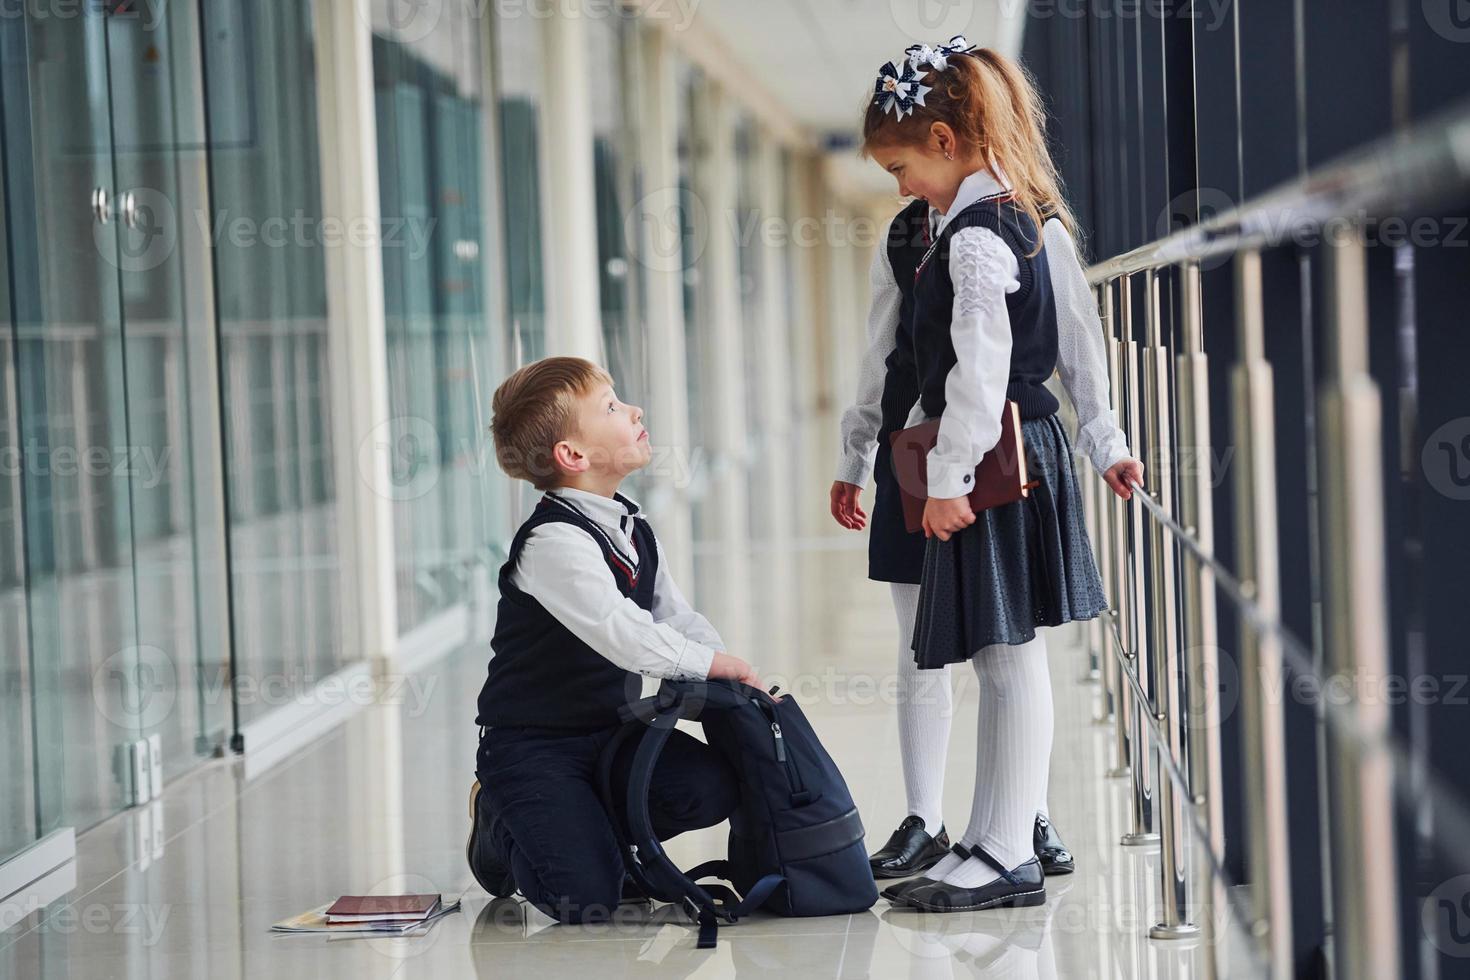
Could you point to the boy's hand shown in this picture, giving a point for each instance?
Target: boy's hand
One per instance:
(945, 517)
(726, 667)
(846, 509)
(1122, 475)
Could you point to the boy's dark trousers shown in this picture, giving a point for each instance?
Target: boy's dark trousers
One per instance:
(540, 806)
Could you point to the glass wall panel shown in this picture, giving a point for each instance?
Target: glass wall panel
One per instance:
(270, 293)
(694, 225)
(613, 59)
(694, 221)
(17, 789)
(102, 639)
(518, 74)
(442, 353)
(69, 393)
(182, 653)
(750, 249)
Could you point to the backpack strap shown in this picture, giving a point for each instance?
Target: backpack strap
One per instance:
(633, 863)
(651, 867)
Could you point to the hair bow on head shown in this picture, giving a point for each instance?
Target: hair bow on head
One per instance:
(937, 57)
(898, 92)
(956, 45)
(922, 54)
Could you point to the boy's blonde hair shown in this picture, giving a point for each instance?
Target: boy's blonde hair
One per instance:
(993, 107)
(534, 409)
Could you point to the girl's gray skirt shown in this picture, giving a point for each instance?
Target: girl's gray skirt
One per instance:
(1019, 566)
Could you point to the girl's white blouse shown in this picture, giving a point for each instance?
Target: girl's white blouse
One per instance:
(983, 271)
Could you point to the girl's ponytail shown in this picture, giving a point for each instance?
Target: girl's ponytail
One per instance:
(994, 109)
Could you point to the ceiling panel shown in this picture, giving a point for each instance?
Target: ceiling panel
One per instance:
(819, 57)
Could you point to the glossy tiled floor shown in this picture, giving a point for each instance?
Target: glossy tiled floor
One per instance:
(188, 886)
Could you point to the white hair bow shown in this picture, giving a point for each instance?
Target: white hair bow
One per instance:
(937, 57)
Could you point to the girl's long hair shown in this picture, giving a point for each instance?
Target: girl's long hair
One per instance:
(993, 107)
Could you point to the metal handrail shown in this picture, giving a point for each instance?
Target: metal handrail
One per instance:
(1368, 765)
(1456, 810)
(1419, 167)
(1160, 739)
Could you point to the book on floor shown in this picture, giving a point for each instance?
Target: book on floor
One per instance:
(317, 921)
(382, 908)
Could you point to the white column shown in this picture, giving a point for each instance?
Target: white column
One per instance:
(355, 330)
(813, 278)
(813, 474)
(568, 193)
(654, 225)
(725, 582)
(776, 478)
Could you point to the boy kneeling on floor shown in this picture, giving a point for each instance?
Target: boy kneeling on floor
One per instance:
(587, 604)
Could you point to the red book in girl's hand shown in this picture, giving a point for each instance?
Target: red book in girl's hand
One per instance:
(999, 479)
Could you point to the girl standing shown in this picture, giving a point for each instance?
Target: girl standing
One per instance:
(994, 302)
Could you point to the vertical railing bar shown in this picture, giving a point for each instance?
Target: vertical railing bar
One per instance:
(1260, 655)
(1132, 588)
(1097, 517)
(1159, 452)
(1122, 700)
(1355, 623)
(1202, 670)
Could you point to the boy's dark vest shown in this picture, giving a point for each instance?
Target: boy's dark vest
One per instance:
(541, 675)
(1032, 311)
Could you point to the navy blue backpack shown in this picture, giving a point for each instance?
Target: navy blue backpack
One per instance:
(796, 841)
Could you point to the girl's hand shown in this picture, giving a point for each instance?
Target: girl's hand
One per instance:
(945, 517)
(846, 509)
(1122, 474)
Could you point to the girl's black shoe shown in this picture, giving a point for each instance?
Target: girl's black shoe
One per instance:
(1021, 886)
(909, 850)
(895, 893)
(485, 864)
(1050, 851)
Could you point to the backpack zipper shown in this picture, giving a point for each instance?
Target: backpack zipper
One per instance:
(787, 760)
(799, 795)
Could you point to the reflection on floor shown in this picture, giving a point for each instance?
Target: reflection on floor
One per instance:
(188, 886)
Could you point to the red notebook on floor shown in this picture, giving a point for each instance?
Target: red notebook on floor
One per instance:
(382, 908)
(999, 479)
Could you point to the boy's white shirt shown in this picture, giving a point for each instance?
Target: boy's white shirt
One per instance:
(983, 270)
(563, 568)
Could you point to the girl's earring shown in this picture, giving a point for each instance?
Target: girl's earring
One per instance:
(948, 155)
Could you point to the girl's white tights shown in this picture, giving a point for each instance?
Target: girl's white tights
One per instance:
(1012, 760)
(925, 708)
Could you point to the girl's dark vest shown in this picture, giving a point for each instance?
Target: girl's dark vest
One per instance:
(541, 675)
(1032, 311)
(894, 555)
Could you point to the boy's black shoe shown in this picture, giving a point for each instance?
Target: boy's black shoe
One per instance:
(1050, 851)
(485, 864)
(909, 850)
(1021, 886)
